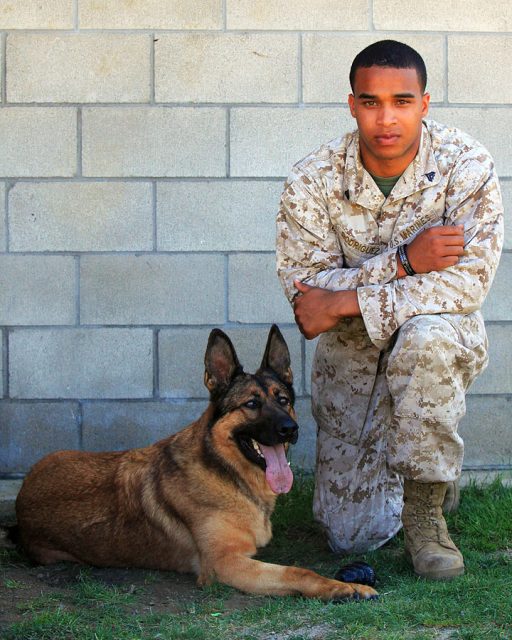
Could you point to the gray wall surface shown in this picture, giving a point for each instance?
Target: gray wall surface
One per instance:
(144, 146)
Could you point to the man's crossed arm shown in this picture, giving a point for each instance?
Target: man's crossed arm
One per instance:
(318, 310)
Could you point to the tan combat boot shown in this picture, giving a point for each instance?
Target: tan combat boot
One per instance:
(427, 543)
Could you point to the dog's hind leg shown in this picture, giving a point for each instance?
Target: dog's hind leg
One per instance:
(45, 555)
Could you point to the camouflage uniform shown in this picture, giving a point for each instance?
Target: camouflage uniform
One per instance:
(388, 389)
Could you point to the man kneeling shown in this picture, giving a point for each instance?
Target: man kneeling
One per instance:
(388, 240)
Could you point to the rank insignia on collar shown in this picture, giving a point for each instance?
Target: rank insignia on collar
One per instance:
(431, 175)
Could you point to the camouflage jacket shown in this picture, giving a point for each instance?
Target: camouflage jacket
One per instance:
(336, 230)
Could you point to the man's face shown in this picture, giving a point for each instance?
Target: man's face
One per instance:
(389, 106)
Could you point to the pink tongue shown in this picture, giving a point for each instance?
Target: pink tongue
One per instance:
(279, 475)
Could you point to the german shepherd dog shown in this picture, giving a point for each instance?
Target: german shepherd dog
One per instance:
(199, 501)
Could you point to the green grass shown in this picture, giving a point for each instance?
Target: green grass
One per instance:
(475, 606)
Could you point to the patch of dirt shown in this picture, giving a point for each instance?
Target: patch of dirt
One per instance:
(22, 583)
(315, 632)
(444, 633)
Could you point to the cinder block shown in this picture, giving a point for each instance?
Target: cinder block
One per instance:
(154, 141)
(226, 68)
(497, 378)
(217, 216)
(181, 357)
(78, 68)
(88, 216)
(487, 125)
(50, 14)
(461, 15)
(498, 304)
(310, 354)
(472, 82)
(81, 363)
(255, 294)
(2, 70)
(486, 431)
(37, 290)
(116, 426)
(328, 57)
(298, 15)
(2, 217)
(150, 14)
(38, 142)
(150, 289)
(303, 454)
(506, 191)
(31, 430)
(268, 141)
(9, 489)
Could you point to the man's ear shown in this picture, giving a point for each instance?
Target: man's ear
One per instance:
(277, 356)
(220, 362)
(425, 101)
(352, 104)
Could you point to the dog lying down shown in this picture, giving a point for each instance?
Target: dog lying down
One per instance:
(199, 501)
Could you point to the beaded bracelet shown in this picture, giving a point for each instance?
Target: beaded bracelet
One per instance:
(402, 254)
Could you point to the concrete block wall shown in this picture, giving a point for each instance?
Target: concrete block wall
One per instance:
(144, 147)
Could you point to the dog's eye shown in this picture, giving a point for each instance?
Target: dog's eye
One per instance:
(283, 401)
(252, 404)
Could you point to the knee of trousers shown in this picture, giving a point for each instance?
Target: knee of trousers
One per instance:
(429, 370)
(357, 500)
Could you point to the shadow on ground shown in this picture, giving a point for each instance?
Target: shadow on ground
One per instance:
(23, 584)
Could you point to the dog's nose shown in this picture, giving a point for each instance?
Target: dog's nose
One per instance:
(288, 429)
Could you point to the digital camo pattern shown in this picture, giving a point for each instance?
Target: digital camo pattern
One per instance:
(388, 389)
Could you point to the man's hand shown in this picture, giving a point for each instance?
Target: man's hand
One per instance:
(435, 249)
(318, 310)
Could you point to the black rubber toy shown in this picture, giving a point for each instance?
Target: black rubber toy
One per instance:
(359, 572)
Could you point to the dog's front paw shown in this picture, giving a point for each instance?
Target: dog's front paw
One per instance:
(344, 592)
(365, 592)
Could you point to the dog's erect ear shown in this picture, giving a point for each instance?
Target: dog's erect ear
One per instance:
(220, 361)
(277, 356)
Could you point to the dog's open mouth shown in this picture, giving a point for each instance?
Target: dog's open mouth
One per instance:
(272, 459)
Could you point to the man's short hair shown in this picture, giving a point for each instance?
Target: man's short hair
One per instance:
(390, 53)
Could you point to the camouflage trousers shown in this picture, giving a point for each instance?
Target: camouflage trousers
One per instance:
(386, 415)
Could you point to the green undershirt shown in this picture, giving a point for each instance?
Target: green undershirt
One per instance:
(385, 184)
